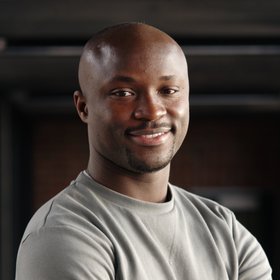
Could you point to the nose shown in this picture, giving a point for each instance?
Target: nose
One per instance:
(149, 107)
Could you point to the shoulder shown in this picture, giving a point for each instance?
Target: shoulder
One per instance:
(67, 214)
(50, 213)
(230, 236)
(203, 206)
(74, 207)
(74, 213)
(64, 238)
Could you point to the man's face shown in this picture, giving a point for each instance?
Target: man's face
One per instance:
(137, 101)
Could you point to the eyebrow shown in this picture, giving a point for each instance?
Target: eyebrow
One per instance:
(128, 79)
(124, 79)
(166, 78)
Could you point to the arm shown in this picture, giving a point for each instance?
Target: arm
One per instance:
(253, 263)
(65, 253)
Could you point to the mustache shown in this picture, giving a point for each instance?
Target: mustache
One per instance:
(149, 125)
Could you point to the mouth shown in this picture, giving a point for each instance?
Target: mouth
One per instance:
(150, 137)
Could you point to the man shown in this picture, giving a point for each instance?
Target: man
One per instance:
(121, 219)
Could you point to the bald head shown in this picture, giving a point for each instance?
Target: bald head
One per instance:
(127, 34)
(133, 77)
(120, 41)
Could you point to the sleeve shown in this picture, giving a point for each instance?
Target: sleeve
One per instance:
(253, 263)
(65, 253)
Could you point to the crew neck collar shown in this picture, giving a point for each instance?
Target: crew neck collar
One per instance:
(125, 201)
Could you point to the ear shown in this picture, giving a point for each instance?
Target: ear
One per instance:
(81, 106)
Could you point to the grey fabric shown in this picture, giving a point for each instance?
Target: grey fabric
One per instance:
(91, 232)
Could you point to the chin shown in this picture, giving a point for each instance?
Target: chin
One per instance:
(144, 168)
(149, 165)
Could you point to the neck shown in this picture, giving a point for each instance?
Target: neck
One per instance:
(151, 187)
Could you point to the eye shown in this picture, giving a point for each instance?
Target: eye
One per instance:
(122, 93)
(169, 91)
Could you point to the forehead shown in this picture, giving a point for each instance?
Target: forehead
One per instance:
(148, 53)
(152, 54)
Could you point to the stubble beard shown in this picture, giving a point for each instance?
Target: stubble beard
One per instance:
(141, 166)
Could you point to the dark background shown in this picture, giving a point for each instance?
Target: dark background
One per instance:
(232, 151)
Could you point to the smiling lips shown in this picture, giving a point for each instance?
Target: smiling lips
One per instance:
(150, 137)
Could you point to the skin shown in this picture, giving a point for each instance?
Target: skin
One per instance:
(134, 100)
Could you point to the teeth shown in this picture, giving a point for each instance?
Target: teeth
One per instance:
(152, 135)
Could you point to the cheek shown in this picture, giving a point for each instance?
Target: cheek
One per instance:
(181, 110)
(108, 123)
(109, 112)
(118, 116)
(181, 115)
